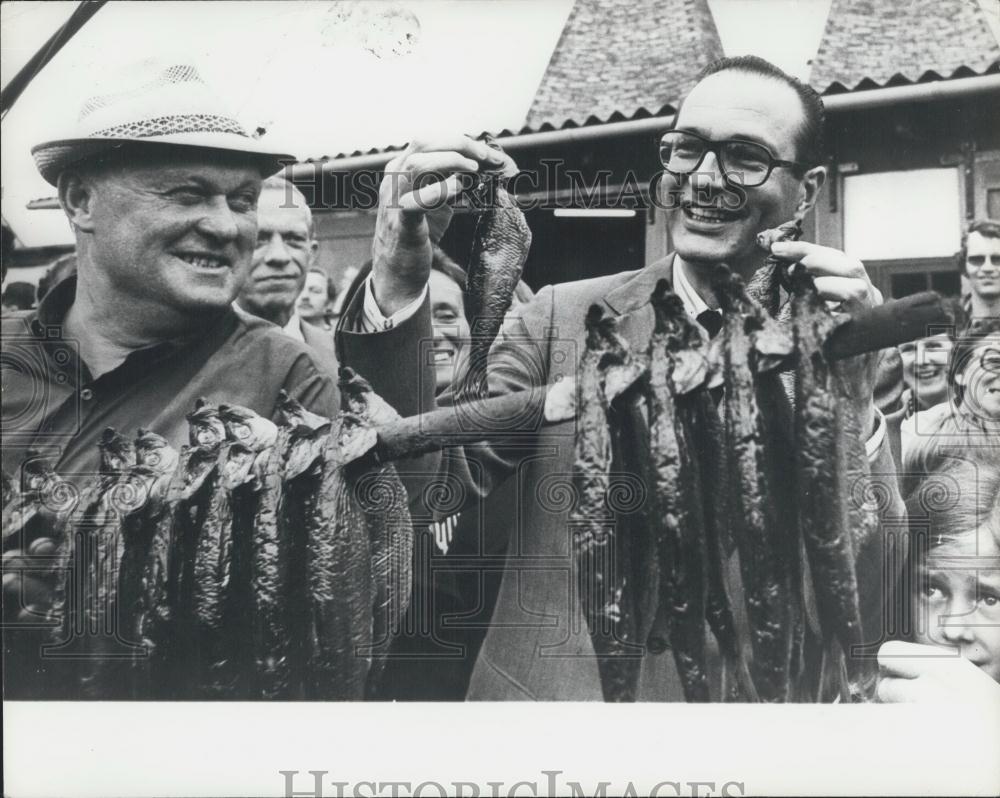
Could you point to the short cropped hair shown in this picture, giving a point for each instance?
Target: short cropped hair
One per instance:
(810, 146)
(987, 228)
(292, 195)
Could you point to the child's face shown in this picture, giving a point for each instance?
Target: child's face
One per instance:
(958, 601)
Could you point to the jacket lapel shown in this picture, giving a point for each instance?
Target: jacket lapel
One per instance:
(630, 301)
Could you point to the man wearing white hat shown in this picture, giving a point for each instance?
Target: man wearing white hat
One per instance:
(160, 184)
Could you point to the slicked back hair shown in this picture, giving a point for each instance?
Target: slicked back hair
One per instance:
(810, 145)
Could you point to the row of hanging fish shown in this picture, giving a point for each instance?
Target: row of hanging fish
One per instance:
(755, 476)
(254, 563)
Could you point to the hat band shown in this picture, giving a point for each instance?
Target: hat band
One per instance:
(167, 125)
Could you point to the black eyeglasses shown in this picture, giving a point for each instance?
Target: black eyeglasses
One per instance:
(980, 260)
(743, 163)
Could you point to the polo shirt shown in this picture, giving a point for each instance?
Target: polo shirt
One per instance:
(52, 404)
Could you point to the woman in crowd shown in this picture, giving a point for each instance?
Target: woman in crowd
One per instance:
(925, 371)
(968, 422)
(951, 646)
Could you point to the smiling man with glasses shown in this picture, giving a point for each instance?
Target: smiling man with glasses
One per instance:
(979, 261)
(745, 155)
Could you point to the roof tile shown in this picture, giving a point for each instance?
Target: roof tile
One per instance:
(883, 42)
(636, 53)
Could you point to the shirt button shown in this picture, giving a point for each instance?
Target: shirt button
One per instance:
(86, 394)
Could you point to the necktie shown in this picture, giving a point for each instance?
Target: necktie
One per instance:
(711, 320)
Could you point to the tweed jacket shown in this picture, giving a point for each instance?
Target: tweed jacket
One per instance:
(537, 646)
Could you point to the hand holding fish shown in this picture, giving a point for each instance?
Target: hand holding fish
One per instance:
(414, 211)
(842, 281)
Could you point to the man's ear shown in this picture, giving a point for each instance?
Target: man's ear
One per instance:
(313, 250)
(811, 186)
(76, 196)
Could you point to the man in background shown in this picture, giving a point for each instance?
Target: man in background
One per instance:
(979, 262)
(285, 250)
(315, 303)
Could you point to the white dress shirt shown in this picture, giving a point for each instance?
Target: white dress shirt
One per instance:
(294, 327)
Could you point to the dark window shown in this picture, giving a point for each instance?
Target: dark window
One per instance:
(947, 283)
(993, 203)
(906, 284)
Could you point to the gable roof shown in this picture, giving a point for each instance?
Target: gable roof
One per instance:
(868, 43)
(619, 57)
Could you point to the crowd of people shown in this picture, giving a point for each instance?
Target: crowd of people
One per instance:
(194, 275)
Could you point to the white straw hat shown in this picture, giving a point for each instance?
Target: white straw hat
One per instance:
(161, 105)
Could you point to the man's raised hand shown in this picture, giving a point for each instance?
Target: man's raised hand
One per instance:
(414, 211)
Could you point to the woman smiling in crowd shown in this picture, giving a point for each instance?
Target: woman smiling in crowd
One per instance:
(969, 422)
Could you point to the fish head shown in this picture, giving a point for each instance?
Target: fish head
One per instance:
(621, 374)
(716, 363)
(199, 465)
(36, 471)
(117, 452)
(788, 231)
(728, 287)
(294, 414)
(354, 390)
(354, 438)
(247, 427)
(358, 397)
(773, 345)
(305, 448)
(205, 428)
(660, 300)
(690, 370)
(153, 451)
(238, 466)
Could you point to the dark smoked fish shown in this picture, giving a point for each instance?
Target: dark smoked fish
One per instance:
(681, 522)
(300, 510)
(269, 561)
(339, 577)
(764, 566)
(702, 440)
(194, 500)
(500, 246)
(384, 502)
(212, 575)
(101, 544)
(599, 573)
(252, 438)
(142, 572)
(822, 513)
